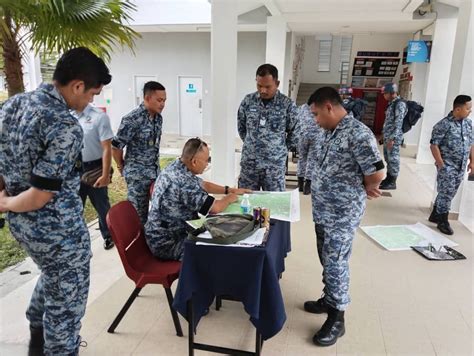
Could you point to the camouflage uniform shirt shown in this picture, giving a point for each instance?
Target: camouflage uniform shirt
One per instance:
(392, 126)
(178, 196)
(141, 135)
(347, 154)
(40, 146)
(267, 131)
(454, 139)
(311, 135)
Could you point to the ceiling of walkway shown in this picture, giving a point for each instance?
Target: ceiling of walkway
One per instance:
(302, 16)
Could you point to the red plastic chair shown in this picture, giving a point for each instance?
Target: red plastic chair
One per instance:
(152, 188)
(139, 263)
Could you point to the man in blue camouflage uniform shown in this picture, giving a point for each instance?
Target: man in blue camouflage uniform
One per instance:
(97, 153)
(452, 147)
(392, 134)
(268, 126)
(310, 136)
(179, 195)
(140, 133)
(348, 170)
(40, 161)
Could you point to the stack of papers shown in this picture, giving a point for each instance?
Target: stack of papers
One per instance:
(256, 239)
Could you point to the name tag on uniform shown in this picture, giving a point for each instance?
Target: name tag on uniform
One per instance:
(262, 122)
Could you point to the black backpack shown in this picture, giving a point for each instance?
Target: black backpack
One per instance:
(412, 116)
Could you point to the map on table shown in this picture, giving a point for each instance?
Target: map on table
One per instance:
(283, 205)
(402, 237)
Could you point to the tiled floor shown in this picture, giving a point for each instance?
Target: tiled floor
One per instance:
(401, 304)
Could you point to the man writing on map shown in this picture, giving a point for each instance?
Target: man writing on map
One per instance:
(179, 195)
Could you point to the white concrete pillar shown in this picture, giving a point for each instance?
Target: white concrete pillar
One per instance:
(276, 48)
(418, 88)
(223, 89)
(461, 82)
(438, 77)
(31, 70)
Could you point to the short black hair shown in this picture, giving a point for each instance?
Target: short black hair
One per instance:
(82, 64)
(267, 69)
(325, 94)
(191, 147)
(461, 100)
(152, 86)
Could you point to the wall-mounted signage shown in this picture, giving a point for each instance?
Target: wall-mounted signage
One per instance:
(418, 51)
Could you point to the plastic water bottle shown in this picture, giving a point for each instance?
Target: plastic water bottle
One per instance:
(245, 205)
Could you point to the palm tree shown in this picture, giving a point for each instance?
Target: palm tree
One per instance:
(59, 25)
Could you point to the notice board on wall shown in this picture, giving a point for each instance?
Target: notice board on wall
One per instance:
(375, 67)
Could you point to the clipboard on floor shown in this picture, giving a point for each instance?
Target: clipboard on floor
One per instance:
(443, 253)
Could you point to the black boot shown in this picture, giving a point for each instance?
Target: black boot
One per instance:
(108, 243)
(316, 307)
(434, 216)
(443, 224)
(35, 348)
(307, 187)
(332, 328)
(389, 183)
(300, 183)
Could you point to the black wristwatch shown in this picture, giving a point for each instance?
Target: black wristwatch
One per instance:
(226, 191)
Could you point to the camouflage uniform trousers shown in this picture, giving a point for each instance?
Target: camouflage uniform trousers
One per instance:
(269, 179)
(448, 180)
(392, 158)
(334, 244)
(138, 193)
(168, 243)
(59, 299)
(302, 163)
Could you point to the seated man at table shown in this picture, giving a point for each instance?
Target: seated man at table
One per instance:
(179, 195)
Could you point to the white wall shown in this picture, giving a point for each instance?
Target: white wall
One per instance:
(289, 52)
(310, 72)
(168, 55)
(360, 42)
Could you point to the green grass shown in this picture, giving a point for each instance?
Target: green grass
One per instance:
(10, 251)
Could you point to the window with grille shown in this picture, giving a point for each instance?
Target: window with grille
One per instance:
(324, 61)
(346, 47)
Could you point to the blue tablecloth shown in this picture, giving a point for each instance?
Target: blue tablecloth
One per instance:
(250, 275)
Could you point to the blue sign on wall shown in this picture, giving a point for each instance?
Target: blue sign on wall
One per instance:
(190, 88)
(418, 51)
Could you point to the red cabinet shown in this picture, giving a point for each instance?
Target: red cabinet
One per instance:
(374, 115)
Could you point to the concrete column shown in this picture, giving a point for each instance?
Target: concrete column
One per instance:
(276, 48)
(438, 77)
(418, 89)
(460, 82)
(31, 70)
(223, 90)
